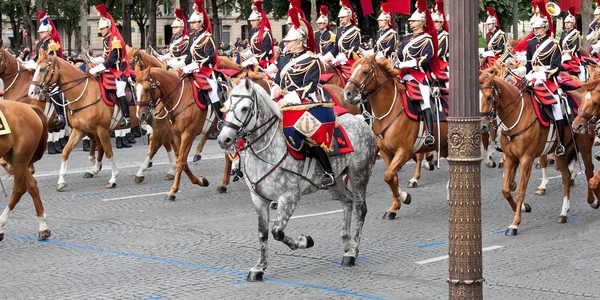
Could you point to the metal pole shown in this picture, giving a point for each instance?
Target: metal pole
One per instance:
(465, 278)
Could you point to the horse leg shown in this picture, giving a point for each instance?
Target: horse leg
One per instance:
(262, 210)
(359, 195)
(226, 175)
(543, 162)
(341, 192)
(76, 136)
(488, 150)
(200, 147)
(286, 205)
(33, 190)
(526, 163)
(104, 140)
(391, 178)
(96, 161)
(19, 188)
(412, 183)
(585, 149)
(184, 150)
(565, 171)
(152, 149)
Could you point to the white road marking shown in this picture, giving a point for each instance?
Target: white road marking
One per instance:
(134, 196)
(423, 262)
(560, 176)
(317, 214)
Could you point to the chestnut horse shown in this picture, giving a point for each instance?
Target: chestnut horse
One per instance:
(23, 146)
(87, 112)
(524, 139)
(588, 116)
(15, 77)
(397, 134)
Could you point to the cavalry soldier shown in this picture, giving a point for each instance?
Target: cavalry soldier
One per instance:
(180, 42)
(417, 58)
(495, 38)
(543, 63)
(261, 42)
(593, 36)
(441, 25)
(386, 35)
(202, 57)
(569, 43)
(297, 79)
(114, 57)
(324, 36)
(348, 38)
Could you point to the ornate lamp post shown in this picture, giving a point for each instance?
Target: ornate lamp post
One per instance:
(465, 265)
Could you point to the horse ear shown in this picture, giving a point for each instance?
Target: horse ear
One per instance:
(247, 83)
(43, 55)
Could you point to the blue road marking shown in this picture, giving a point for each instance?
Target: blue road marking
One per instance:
(574, 218)
(194, 265)
(153, 298)
(499, 231)
(160, 186)
(432, 244)
(3, 205)
(86, 195)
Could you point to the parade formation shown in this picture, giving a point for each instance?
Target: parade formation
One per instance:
(313, 112)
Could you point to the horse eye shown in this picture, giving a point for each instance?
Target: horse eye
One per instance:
(365, 72)
(244, 109)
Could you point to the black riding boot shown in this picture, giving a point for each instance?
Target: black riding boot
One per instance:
(124, 104)
(560, 149)
(429, 139)
(328, 179)
(86, 145)
(59, 121)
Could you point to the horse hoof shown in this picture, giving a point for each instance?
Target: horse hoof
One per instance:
(196, 158)
(255, 276)
(595, 205)
(111, 185)
(44, 235)
(412, 184)
(170, 198)
(222, 189)
(1, 237)
(493, 165)
(538, 166)
(150, 165)
(389, 215)
(139, 179)
(309, 242)
(431, 167)
(61, 187)
(572, 182)
(540, 192)
(348, 261)
(500, 165)
(527, 208)
(407, 200)
(550, 162)
(204, 182)
(273, 205)
(511, 232)
(513, 186)
(562, 219)
(88, 175)
(169, 177)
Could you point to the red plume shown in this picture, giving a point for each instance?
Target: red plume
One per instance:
(179, 15)
(293, 13)
(101, 8)
(598, 3)
(492, 13)
(298, 6)
(41, 15)
(347, 4)
(440, 9)
(325, 11)
(422, 6)
(386, 9)
(545, 14)
(200, 8)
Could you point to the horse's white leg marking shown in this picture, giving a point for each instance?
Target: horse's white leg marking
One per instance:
(413, 180)
(143, 167)
(402, 194)
(115, 171)
(42, 220)
(62, 173)
(4, 218)
(513, 226)
(92, 159)
(96, 168)
(572, 170)
(565, 207)
(172, 162)
(544, 179)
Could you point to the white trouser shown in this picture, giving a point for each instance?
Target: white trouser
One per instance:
(582, 74)
(557, 109)
(121, 88)
(212, 81)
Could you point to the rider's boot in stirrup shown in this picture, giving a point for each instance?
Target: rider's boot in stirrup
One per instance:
(328, 178)
(429, 139)
(60, 120)
(124, 104)
(560, 149)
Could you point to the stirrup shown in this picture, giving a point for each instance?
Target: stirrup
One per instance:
(126, 122)
(59, 121)
(429, 140)
(560, 150)
(328, 180)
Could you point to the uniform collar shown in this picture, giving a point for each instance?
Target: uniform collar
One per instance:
(540, 40)
(299, 53)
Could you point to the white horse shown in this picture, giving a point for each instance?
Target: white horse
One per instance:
(272, 174)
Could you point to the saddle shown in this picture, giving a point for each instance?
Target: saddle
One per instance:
(108, 87)
(544, 111)
(413, 108)
(200, 81)
(313, 125)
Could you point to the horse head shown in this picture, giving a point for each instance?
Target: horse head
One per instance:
(589, 109)
(247, 109)
(46, 74)
(489, 98)
(367, 73)
(147, 90)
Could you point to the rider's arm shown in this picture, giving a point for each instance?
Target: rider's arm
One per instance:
(111, 58)
(335, 49)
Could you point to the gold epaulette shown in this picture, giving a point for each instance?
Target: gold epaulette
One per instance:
(53, 47)
(116, 43)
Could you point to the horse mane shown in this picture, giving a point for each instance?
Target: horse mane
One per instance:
(247, 84)
(226, 63)
(384, 64)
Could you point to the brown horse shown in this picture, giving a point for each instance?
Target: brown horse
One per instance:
(524, 139)
(21, 148)
(397, 134)
(14, 75)
(187, 120)
(588, 116)
(87, 113)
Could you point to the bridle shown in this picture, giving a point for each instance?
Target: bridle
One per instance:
(154, 85)
(361, 86)
(16, 73)
(589, 118)
(492, 113)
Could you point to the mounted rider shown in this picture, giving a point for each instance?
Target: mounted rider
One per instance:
(543, 63)
(386, 35)
(569, 43)
(261, 43)
(49, 41)
(593, 36)
(495, 39)
(179, 48)
(418, 55)
(202, 58)
(324, 36)
(113, 60)
(441, 26)
(348, 37)
(297, 79)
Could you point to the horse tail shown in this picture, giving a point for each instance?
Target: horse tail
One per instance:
(41, 148)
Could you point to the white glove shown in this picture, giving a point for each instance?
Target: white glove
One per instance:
(249, 62)
(327, 57)
(368, 52)
(97, 60)
(566, 57)
(379, 55)
(164, 58)
(407, 64)
(176, 63)
(292, 98)
(275, 92)
(520, 71)
(341, 58)
(271, 69)
(189, 68)
(30, 65)
(488, 53)
(539, 75)
(97, 69)
(590, 36)
(247, 54)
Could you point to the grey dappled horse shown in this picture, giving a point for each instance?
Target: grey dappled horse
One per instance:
(272, 174)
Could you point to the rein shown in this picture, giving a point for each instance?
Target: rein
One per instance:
(8, 75)
(496, 98)
(154, 84)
